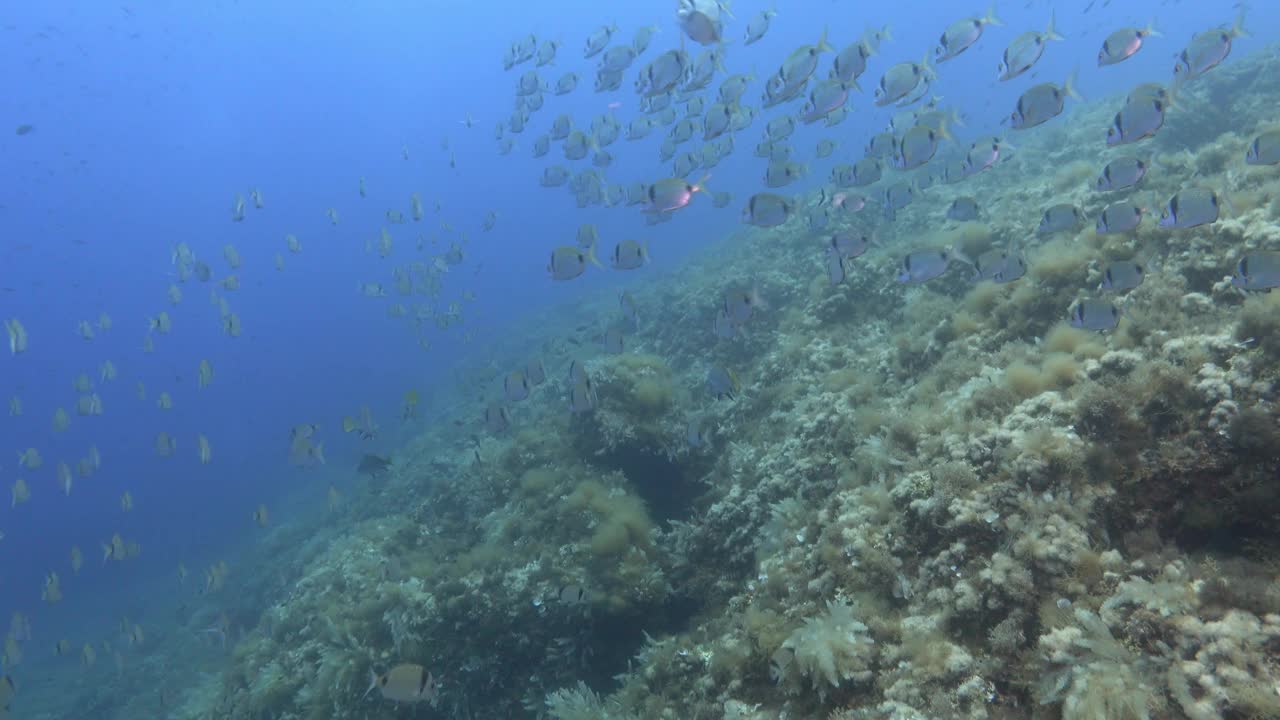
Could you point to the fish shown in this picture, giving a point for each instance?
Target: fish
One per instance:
(261, 517)
(61, 420)
(1042, 103)
(850, 243)
(1119, 217)
(165, 444)
(568, 262)
(84, 330)
(701, 21)
(1025, 51)
(582, 396)
(918, 146)
(826, 97)
(801, 62)
(203, 451)
(573, 595)
(204, 374)
(15, 407)
(77, 559)
(896, 197)
(1094, 314)
(662, 73)
(643, 36)
(1191, 207)
(722, 383)
(837, 272)
(406, 683)
(851, 62)
(630, 254)
(126, 501)
(1124, 44)
(1060, 218)
(18, 340)
(963, 209)
(1122, 275)
(373, 465)
(30, 459)
(1136, 121)
(64, 478)
(566, 83)
(767, 210)
(1264, 150)
(758, 25)
(1206, 51)
(962, 35)
(19, 492)
(546, 53)
(721, 199)
(1258, 270)
(673, 194)
(825, 148)
(1121, 173)
(782, 173)
(496, 418)
(515, 386)
(922, 265)
(612, 341)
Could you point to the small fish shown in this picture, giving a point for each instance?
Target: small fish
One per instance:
(918, 146)
(1191, 207)
(644, 35)
(18, 341)
(1206, 51)
(1025, 51)
(826, 97)
(963, 209)
(568, 262)
(962, 35)
(1257, 271)
(19, 493)
(673, 194)
(1122, 275)
(701, 21)
(781, 173)
(849, 244)
(825, 148)
(901, 80)
(1124, 44)
(1060, 218)
(203, 451)
(126, 501)
(722, 383)
(582, 396)
(1094, 314)
(1042, 103)
(923, 265)
(515, 386)
(612, 341)
(800, 64)
(851, 62)
(405, 683)
(696, 434)
(630, 254)
(1136, 121)
(767, 210)
(496, 418)
(1121, 173)
(1264, 150)
(758, 25)
(1120, 217)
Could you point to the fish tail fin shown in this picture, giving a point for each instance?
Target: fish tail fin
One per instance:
(1051, 32)
(1151, 30)
(990, 18)
(886, 33)
(955, 118)
(591, 256)
(823, 45)
(373, 683)
(944, 132)
(644, 251)
(701, 185)
(1237, 28)
(318, 452)
(1069, 87)
(724, 8)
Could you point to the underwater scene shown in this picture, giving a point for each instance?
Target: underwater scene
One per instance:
(686, 360)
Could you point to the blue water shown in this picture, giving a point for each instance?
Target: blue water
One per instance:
(149, 119)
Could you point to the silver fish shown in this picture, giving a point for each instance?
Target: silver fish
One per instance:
(826, 97)
(496, 419)
(630, 254)
(598, 39)
(1136, 121)
(963, 209)
(918, 146)
(721, 199)
(1026, 50)
(782, 173)
(767, 210)
(582, 397)
(901, 80)
(1124, 44)
(733, 87)
(1042, 103)
(922, 265)
(515, 386)
(701, 21)
(716, 121)
(612, 341)
(963, 34)
(1264, 150)
(644, 35)
(1206, 51)
(800, 64)
(1121, 173)
(566, 83)
(881, 145)
(836, 271)
(547, 53)
(1191, 207)
(1093, 314)
(561, 127)
(758, 25)
(825, 148)
(850, 243)
(568, 262)
(588, 235)
(1257, 271)
(617, 58)
(1122, 275)
(1119, 217)
(1060, 218)
(722, 383)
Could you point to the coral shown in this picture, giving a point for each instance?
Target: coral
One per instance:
(581, 703)
(832, 647)
(1090, 673)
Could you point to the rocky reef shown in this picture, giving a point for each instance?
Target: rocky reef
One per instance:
(935, 501)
